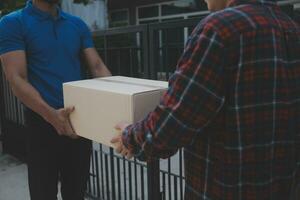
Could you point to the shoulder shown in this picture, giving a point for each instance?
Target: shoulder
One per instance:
(13, 19)
(228, 22)
(12, 24)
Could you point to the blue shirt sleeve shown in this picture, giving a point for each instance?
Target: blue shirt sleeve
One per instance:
(86, 36)
(11, 35)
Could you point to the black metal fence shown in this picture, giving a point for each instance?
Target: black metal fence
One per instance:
(125, 50)
(2, 107)
(145, 51)
(12, 132)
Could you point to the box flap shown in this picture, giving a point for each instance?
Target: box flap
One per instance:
(146, 82)
(118, 84)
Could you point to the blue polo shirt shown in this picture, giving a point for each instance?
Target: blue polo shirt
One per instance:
(52, 47)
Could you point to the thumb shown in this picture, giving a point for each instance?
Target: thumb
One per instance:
(121, 126)
(118, 127)
(69, 110)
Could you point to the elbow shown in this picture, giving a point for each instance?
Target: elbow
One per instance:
(13, 76)
(15, 81)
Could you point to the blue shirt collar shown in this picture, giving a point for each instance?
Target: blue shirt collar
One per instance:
(41, 14)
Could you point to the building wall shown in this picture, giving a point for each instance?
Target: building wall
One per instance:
(117, 4)
(131, 7)
(93, 14)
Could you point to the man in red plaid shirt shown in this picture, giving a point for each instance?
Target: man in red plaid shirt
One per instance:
(233, 104)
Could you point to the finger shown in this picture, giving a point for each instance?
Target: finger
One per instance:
(117, 127)
(121, 126)
(129, 156)
(69, 110)
(115, 139)
(124, 152)
(119, 148)
(62, 112)
(74, 136)
(68, 133)
(69, 130)
(68, 127)
(71, 125)
(72, 133)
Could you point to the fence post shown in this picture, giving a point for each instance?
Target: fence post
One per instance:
(153, 180)
(152, 58)
(145, 51)
(153, 168)
(2, 108)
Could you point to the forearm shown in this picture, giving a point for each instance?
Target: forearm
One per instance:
(30, 97)
(95, 64)
(100, 70)
(158, 135)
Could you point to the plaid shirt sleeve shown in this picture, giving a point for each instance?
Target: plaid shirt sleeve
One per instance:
(195, 95)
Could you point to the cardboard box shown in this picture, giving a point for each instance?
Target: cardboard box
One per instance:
(102, 103)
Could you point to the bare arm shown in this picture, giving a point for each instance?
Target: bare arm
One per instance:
(14, 65)
(95, 63)
(15, 69)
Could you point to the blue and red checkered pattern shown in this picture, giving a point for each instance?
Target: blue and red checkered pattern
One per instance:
(233, 104)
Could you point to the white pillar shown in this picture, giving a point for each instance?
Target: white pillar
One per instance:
(94, 14)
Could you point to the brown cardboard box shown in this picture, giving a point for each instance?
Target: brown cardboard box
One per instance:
(102, 103)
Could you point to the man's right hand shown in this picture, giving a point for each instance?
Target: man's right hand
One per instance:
(15, 68)
(60, 120)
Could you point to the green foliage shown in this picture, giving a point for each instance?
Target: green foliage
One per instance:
(7, 6)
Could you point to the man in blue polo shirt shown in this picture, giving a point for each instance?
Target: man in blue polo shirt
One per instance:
(40, 49)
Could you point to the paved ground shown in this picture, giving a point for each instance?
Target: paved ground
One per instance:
(13, 179)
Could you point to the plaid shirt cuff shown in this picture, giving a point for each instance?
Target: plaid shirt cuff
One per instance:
(130, 143)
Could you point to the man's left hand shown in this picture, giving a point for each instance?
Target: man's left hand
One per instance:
(117, 141)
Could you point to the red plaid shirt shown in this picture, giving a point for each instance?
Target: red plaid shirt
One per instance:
(234, 105)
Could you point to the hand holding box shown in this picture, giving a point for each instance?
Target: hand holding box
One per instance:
(102, 103)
